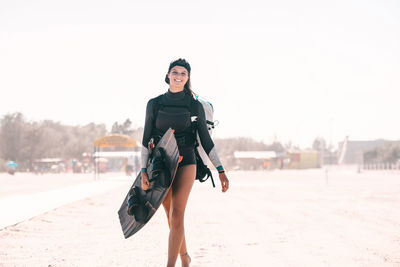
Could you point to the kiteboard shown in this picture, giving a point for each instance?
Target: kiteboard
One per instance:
(140, 205)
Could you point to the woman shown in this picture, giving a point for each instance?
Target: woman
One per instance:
(172, 110)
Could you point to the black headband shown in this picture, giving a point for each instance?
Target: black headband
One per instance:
(180, 62)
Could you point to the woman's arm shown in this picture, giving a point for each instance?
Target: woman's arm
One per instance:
(205, 137)
(209, 146)
(147, 131)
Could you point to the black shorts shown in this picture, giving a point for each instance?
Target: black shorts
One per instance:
(189, 157)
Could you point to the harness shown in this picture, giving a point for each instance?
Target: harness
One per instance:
(202, 171)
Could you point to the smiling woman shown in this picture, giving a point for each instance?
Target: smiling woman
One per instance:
(175, 109)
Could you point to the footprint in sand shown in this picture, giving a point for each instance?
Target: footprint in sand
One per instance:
(200, 254)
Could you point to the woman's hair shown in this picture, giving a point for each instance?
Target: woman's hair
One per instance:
(183, 63)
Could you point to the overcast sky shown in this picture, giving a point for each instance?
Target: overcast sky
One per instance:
(291, 70)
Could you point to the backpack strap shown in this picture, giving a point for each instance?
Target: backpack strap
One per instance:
(157, 106)
(202, 171)
(193, 113)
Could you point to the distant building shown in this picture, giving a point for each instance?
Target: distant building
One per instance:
(292, 159)
(255, 159)
(303, 159)
(351, 152)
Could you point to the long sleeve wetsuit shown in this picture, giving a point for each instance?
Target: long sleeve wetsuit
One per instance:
(172, 110)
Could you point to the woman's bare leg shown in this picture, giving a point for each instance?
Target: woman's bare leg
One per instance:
(183, 249)
(180, 194)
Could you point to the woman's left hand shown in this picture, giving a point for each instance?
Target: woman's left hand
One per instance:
(224, 181)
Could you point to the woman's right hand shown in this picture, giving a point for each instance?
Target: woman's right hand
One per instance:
(145, 181)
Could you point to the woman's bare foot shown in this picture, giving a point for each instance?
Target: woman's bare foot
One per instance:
(185, 258)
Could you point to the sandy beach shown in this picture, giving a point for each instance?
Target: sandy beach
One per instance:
(278, 218)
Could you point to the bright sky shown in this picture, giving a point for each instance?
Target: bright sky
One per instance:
(291, 70)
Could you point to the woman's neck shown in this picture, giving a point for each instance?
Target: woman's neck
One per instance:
(176, 89)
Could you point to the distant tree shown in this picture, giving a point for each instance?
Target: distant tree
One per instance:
(319, 144)
(227, 146)
(31, 147)
(127, 127)
(371, 155)
(124, 128)
(80, 139)
(115, 128)
(288, 145)
(25, 142)
(277, 147)
(389, 153)
(11, 136)
(138, 134)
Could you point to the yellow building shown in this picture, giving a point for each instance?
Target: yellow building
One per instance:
(303, 159)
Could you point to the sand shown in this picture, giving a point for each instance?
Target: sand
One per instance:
(278, 218)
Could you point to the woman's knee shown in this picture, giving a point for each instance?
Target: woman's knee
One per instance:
(177, 217)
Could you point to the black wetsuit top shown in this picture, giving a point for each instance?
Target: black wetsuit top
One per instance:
(174, 111)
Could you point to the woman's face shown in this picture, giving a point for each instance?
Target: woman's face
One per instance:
(178, 76)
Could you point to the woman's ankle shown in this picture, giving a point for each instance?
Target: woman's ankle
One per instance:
(186, 258)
